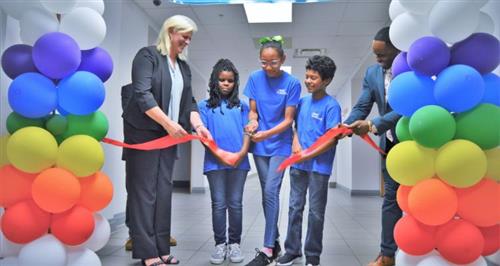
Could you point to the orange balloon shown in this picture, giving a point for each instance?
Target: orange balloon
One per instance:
(96, 191)
(73, 227)
(459, 241)
(15, 185)
(414, 237)
(491, 239)
(432, 202)
(24, 222)
(55, 190)
(402, 197)
(480, 204)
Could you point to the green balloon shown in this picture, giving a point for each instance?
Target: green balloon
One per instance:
(15, 122)
(480, 125)
(403, 130)
(56, 124)
(94, 125)
(432, 126)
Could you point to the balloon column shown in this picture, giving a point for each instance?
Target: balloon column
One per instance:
(51, 186)
(448, 160)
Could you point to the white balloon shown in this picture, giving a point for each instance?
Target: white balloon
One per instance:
(97, 5)
(83, 257)
(7, 248)
(406, 29)
(100, 236)
(453, 21)
(434, 260)
(494, 258)
(35, 23)
(418, 6)
(17, 8)
(85, 25)
(479, 262)
(9, 261)
(395, 9)
(405, 259)
(58, 6)
(486, 23)
(45, 251)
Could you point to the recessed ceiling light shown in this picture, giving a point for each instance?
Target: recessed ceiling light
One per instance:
(278, 12)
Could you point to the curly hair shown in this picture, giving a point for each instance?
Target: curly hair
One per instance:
(324, 65)
(215, 95)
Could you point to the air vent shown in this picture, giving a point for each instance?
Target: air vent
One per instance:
(308, 52)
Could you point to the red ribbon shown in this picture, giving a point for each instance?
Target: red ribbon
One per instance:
(332, 133)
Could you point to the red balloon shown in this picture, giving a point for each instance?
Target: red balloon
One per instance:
(480, 204)
(491, 239)
(15, 185)
(414, 237)
(402, 197)
(459, 241)
(24, 222)
(74, 226)
(96, 191)
(432, 202)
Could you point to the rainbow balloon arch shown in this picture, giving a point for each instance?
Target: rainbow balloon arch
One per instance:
(448, 158)
(51, 186)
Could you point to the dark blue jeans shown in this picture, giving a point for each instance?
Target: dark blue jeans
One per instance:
(226, 191)
(300, 182)
(270, 182)
(391, 213)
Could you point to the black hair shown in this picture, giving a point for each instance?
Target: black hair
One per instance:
(383, 35)
(275, 45)
(215, 96)
(324, 65)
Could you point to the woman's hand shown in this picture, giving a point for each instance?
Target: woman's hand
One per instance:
(174, 129)
(203, 132)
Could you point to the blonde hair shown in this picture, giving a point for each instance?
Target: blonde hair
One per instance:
(178, 23)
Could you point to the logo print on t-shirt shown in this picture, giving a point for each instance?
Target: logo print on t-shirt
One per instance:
(316, 116)
(281, 92)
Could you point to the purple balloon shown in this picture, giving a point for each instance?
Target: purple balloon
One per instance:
(491, 89)
(428, 56)
(399, 65)
(17, 60)
(97, 61)
(56, 55)
(480, 51)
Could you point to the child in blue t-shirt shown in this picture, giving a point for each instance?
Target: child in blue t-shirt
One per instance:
(274, 95)
(316, 114)
(225, 116)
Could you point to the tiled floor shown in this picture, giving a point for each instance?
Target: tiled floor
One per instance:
(351, 231)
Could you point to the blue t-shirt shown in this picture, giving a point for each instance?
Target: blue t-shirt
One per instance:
(272, 96)
(226, 126)
(314, 118)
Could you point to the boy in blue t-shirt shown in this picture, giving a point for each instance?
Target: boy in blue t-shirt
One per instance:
(316, 114)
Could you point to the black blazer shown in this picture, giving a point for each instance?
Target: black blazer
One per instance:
(150, 87)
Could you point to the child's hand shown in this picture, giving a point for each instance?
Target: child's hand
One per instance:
(251, 126)
(260, 136)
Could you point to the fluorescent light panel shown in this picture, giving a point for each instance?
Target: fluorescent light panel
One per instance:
(280, 12)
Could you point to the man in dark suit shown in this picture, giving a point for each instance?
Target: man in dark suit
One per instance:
(375, 85)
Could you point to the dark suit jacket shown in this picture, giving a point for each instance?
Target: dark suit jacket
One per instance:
(151, 86)
(374, 92)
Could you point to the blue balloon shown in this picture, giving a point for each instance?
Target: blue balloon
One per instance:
(81, 93)
(410, 91)
(32, 95)
(491, 89)
(459, 88)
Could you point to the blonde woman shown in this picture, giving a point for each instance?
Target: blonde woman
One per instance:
(160, 102)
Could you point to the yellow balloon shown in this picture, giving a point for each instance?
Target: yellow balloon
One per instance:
(493, 159)
(3, 150)
(32, 149)
(461, 163)
(81, 155)
(408, 163)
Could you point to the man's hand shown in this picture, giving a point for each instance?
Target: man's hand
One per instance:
(360, 127)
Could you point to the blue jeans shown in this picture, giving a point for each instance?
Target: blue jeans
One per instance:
(317, 184)
(391, 213)
(270, 182)
(226, 191)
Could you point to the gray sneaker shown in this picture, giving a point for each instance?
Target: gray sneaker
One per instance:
(234, 253)
(219, 254)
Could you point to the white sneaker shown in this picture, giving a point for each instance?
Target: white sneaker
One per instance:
(234, 253)
(219, 254)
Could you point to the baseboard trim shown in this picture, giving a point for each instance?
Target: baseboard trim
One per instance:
(332, 184)
(181, 184)
(117, 221)
(358, 192)
(198, 190)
